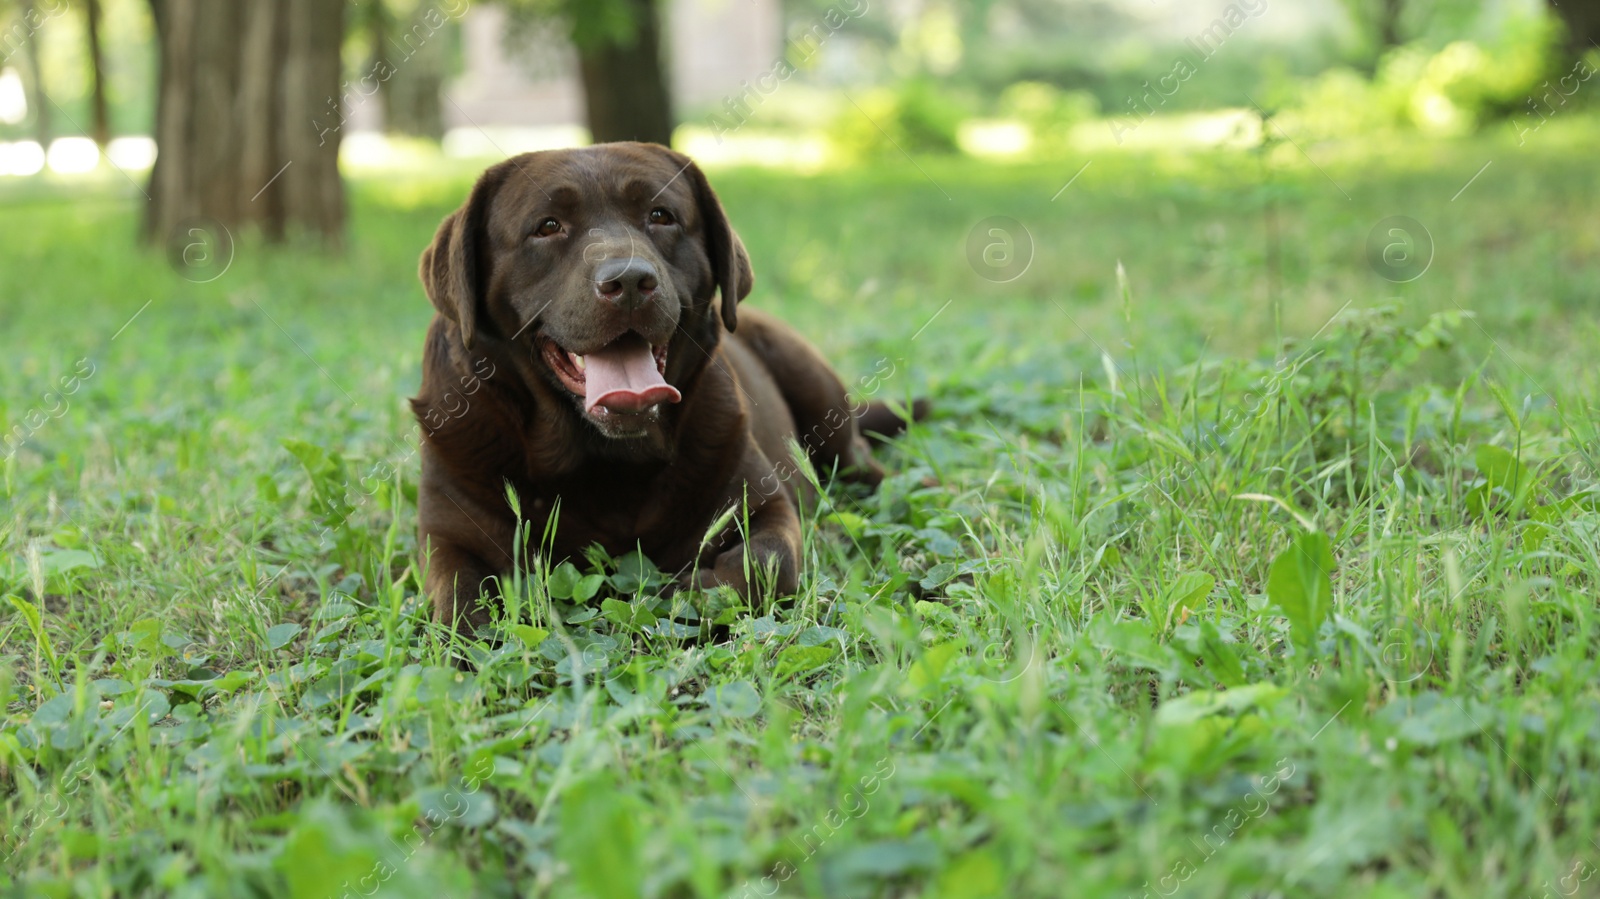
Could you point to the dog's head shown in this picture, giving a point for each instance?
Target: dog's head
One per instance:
(602, 262)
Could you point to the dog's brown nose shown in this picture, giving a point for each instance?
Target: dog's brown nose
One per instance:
(627, 282)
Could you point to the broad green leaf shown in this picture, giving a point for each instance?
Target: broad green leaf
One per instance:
(82, 846)
(926, 671)
(939, 543)
(110, 686)
(734, 700)
(232, 681)
(154, 706)
(322, 851)
(280, 635)
(797, 659)
(853, 524)
(1199, 704)
(819, 635)
(1479, 500)
(673, 630)
(1552, 514)
(531, 637)
(563, 581)
(632, 615)
(335, 609)
(635, 572)
(1431, 718)
(61, 561)
(203, 682)
(1543, 521)
(1189, 591)
(1186, 594)
(456, 805)
(935, 612)
(584, 613)
(1221, 661)
(1502, 469)
(1106, 558)
(145, 636)
(938, 575)
(330, 488)
(1300, 583)
(890, 858)
(599, 838)
(1133, 642)
(976, 875)
(326, 633)
(338, 684)
(766, 626)
(1534, 535)
(54, 711)
(587, 586)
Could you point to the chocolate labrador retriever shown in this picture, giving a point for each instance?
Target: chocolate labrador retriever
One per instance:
(580, 358)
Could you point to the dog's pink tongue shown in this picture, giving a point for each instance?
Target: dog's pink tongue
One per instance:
(623, 378)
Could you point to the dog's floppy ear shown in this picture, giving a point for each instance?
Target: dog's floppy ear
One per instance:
(729, 261)
(449, 267)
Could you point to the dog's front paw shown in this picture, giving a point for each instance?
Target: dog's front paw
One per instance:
(761, 572)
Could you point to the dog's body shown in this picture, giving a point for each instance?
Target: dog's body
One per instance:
(579, 359)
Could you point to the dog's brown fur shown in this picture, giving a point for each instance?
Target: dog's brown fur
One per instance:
(494, 413)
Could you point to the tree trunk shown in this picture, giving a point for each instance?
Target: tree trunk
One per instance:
(248, 117)
(40, 100)
(625, 85)
(97, 65)
(1582, 18)
(1389, 24)
(415, 56)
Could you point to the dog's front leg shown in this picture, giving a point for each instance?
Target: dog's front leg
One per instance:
(464, 541)
(458, 584)
(768, 556)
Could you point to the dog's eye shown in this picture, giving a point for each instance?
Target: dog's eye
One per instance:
(659, 216)
(547, 227)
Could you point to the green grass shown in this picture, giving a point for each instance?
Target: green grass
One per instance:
(1266, 585)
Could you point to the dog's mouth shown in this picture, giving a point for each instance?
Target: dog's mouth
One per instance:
(627, 375)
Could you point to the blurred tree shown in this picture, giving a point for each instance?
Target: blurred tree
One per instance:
(40, 101)
(1582, 18)
(408, 48)
(995, 43)
(1378, 23)
(248, 116)
(1387, 21)
(619, 62)
(101, 124)
(1385, 24)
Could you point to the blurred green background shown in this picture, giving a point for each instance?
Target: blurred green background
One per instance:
(813, 83)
